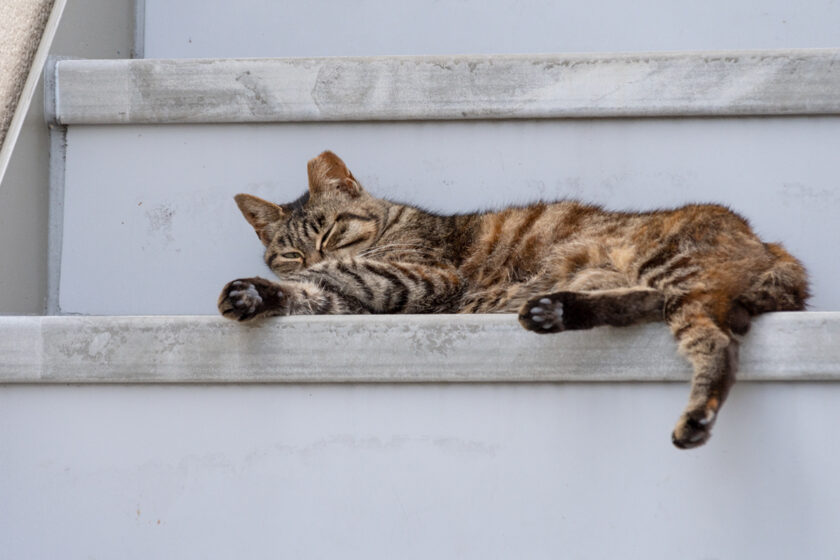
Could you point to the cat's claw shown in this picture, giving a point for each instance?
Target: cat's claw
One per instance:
(247, 298)
(543, 314)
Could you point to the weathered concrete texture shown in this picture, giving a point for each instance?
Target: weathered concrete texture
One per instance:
(24, 22)
(336, 349)
(784, 82)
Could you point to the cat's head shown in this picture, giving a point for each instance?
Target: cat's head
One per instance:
(335, 218)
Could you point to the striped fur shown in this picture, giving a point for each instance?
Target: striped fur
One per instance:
(561, 265)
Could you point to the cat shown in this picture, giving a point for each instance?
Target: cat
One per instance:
(561, 266)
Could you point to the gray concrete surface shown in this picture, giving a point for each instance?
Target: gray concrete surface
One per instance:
(685, 84)
(390, 349)
(89, 29)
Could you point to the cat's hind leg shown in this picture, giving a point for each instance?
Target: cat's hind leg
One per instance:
(573, 310)
(701, 324)
(713, 353)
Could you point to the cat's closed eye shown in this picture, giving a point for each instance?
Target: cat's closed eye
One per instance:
(292, 255)
(285, 259)
(347, 232)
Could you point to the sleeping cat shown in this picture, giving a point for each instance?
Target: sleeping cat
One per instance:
(561, 266)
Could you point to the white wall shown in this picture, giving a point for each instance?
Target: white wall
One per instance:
(418, 471)
(151, 228)
(248, 28)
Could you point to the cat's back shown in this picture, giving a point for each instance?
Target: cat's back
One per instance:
(516, 243)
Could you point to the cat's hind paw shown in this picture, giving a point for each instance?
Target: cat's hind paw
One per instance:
(694, 428)
(543, 314)
(249, 298)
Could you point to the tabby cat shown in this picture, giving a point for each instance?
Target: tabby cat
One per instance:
(561, 266)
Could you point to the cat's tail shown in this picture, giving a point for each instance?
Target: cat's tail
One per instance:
(781, 287)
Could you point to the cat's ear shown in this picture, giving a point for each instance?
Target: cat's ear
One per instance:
(328, 176)
(261, 214)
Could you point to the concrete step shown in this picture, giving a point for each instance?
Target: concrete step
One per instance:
(388, 349)
(721, 83)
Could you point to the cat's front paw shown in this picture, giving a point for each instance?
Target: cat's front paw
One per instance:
(694, 428)
(543, 314)
(250, 298)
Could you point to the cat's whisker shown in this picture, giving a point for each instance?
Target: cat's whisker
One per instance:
(402, 249)
(389, 247)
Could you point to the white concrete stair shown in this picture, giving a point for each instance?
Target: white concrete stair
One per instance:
(388, 349)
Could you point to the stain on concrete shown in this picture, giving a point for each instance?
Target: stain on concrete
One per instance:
(435, 340)
(159, 222)
(259, 97)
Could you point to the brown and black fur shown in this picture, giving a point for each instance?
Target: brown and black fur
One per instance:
(561, 266)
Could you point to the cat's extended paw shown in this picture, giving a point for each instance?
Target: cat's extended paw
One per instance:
(694, 428)
(543, 314)
(248, 298)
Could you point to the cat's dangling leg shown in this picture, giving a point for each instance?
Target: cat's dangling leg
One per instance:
(713, 353)
(571, 310)
(704, 338)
